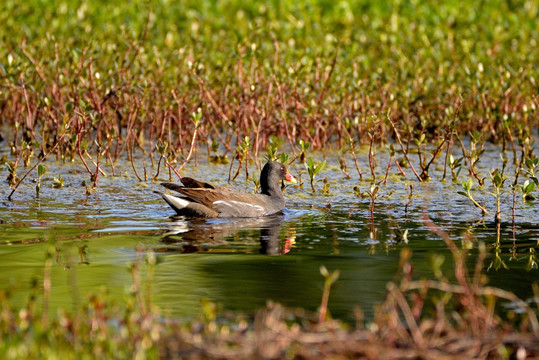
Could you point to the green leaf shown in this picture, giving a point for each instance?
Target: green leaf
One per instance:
(304, 145)
(497, 179)
(40, 170)
(462, 193)
(310, 167)
(320, 167)
(529, 186)
(469, 184)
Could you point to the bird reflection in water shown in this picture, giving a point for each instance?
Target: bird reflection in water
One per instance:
(227, 235)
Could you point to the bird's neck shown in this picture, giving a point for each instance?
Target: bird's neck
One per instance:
(274, 191)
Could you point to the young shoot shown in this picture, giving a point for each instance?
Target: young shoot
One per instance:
(303, 147)
(273, 153)
(329, 279)
(456, 166)
(497, 181)
(242, 152)
(325, 189)
(313, 170)
(419, 143)
(58, 182)
(477, 146)
(40, 171)
(273, 146)
(372, 194)
(467, 186)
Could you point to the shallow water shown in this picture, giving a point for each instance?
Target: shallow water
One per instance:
(242, 263)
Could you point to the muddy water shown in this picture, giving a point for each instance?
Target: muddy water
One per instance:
(242, 263)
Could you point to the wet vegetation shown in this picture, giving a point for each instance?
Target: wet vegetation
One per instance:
(431, 89)
(95, 82)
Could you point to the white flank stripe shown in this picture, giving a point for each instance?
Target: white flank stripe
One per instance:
(176, 201)
(240, 203)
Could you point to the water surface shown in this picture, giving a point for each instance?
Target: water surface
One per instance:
(242, 263)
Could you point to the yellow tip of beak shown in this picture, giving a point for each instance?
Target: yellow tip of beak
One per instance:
(291, 178)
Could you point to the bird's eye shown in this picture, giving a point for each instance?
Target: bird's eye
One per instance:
(282, 169)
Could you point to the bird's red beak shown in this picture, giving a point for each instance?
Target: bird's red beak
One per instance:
(290, 178)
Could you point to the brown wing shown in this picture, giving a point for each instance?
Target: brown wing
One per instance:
(192, 183)
(204, 196)
(188, 183)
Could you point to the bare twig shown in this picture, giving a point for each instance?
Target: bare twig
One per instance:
(191, 148)
(326, 83)
(402, 147)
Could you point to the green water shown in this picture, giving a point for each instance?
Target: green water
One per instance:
(242, 263)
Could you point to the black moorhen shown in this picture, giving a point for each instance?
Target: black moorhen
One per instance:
(200, 199)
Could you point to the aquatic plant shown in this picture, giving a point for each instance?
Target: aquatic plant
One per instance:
(353, 152)
(40, 172)
(273, 145)
(58, 182)
(477, 148)
(372, 194)
(242, 152)
(403, 148)
(392, 158)
(313, 170)
(286, 83)
(329, 280)
(455, 164)
(325, 188)
(467, 186)
(532, 164)
(344, 167)
(161, 147)
(410, 198)
(196, 118)
(302, 154)
(497, 181)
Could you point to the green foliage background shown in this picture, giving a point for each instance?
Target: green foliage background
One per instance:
(392, 53)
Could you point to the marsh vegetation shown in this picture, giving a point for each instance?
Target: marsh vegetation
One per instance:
(384, 111)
